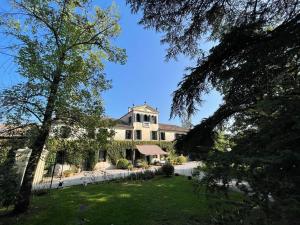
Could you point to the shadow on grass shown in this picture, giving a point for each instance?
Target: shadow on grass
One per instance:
(157, 201)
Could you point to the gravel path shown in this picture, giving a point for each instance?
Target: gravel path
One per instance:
(86, 177)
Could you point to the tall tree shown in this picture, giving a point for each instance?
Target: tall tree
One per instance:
(60, 46)
(266, 28)
(255, 66)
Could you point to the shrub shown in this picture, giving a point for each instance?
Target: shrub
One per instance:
(146, 175)
(158, 172)
(67, 173)
(91, 160)
(168, 169)
(122, 164)
(9, 180)
(74, 169)
(142, 164)
(172, 159)
(181, 159)
(130, 166)
(9, 183)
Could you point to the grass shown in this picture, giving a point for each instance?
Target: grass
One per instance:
(161, 201)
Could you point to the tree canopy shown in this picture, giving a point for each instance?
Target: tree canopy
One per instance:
(255, 66)
(60, 47)
(256, 42)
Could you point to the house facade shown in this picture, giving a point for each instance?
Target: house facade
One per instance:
(141, 129)
(141, 123)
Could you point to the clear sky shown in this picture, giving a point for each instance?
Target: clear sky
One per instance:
(145, 77)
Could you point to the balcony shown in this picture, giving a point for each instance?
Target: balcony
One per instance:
(146, 124)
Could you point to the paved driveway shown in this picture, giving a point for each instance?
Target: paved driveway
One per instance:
(86, 177)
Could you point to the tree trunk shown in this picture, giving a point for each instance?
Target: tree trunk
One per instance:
(23, 198)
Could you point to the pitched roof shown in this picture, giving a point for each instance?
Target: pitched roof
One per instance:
(122, 124)
(170, 127)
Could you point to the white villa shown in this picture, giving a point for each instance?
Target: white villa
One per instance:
(140, 126)
(139, 131)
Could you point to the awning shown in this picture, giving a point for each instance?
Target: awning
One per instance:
(150, 150)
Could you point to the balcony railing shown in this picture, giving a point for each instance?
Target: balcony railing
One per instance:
(146, 124)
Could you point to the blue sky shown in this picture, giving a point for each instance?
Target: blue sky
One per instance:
(145, 77)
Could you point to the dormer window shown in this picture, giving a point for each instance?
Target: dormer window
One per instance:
(138, 117)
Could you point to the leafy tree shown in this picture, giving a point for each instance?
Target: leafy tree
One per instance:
(61, 46)
(255, 66)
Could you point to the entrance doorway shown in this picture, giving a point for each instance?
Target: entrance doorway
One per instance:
(128, 154)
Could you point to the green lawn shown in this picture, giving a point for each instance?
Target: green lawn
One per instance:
(161, 201)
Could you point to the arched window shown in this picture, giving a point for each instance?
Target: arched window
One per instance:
(153, 119)
(138, 117)
(145, 118)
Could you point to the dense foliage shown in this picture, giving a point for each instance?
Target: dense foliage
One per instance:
(115, 149)
(167, 170)
(122, 164)
(255, 66)
(59, 47)
(76, 151)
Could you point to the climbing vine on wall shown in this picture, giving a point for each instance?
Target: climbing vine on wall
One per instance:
(77, 151)
(115, 149)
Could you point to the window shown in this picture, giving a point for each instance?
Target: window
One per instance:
(128, 134)
(138, 134)
(129, 119)
(138, 117)
(146, 118)
(102, 156)
(162, 136)
(154, 119)
(61, 157)
(128, 154)
(154, 135)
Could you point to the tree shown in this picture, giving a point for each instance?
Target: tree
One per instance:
(239, 27)
(255, 66)
(60, 49)
(186, 121)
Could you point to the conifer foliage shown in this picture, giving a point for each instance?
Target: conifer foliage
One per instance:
(255, 66)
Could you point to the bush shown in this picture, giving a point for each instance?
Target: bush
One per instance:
(74, 169)
(91, 160)
(130, 166)
(146, 175)
(9, 183)
(142, 164)
(122, 164)
(181, 159)
(9, 180)
(168, 170)
(67, 173)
